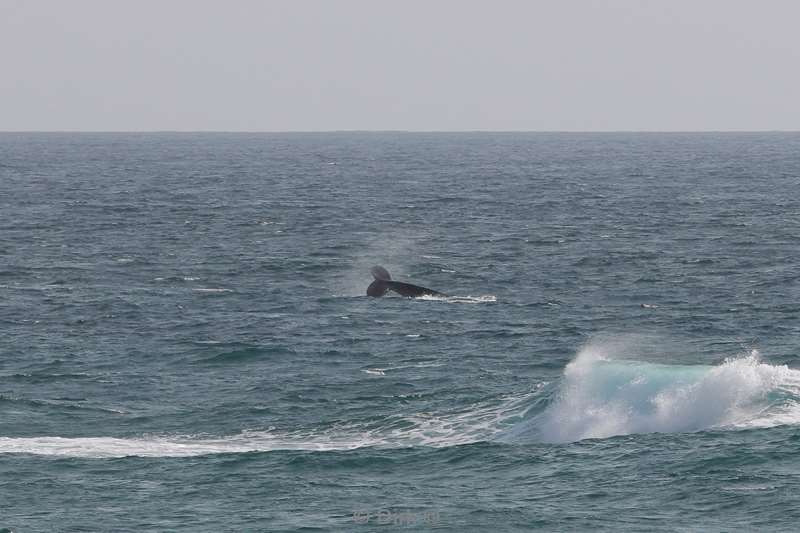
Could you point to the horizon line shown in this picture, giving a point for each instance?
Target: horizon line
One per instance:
(401, 131)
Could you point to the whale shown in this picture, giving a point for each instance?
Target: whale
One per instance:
(384, 283)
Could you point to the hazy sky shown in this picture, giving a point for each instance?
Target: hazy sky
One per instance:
(276, 65)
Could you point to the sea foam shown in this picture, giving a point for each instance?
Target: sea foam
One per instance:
(601, 397)
(477, 423)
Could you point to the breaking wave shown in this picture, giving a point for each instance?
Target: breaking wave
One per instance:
(600, 397)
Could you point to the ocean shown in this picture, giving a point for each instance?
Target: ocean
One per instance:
(186, 343)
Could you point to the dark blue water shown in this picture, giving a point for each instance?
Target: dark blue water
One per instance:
(186, 344)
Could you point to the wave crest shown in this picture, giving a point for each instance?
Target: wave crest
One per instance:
(600, 397)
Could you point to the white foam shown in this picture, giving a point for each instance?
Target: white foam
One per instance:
(382, 371)
(107, 447)
(601, 397)
(474, 424)
(488, 298)
(212, 290)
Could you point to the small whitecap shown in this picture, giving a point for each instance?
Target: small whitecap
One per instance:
(212, 290)
(487, 298)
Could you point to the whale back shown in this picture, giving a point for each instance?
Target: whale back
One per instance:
(411, 291)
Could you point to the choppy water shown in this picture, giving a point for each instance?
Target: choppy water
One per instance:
(186, 344)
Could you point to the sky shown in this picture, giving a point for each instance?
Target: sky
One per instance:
(419, 65)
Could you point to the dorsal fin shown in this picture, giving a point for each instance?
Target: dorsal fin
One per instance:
(378, 272)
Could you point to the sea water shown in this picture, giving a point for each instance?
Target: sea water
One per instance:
(186, 343)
